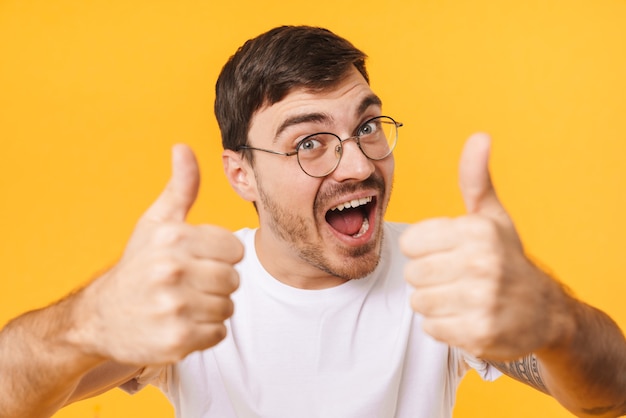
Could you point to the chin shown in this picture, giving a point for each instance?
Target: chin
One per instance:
(357, 262)
(360, 271)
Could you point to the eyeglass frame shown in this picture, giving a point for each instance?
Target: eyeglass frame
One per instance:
(340, 150)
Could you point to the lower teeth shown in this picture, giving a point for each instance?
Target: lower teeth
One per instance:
(364, 227)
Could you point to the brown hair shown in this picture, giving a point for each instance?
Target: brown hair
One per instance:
(265, 69)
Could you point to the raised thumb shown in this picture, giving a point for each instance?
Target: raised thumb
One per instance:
(180, 193)
(474, 178)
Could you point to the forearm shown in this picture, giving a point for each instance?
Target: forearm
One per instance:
(586, 372)
(39, 367)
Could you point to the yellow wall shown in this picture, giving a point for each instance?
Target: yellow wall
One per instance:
(93, 94)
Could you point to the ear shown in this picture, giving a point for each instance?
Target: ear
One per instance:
(240, 175)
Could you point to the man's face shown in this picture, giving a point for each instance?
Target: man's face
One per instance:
(304, 238)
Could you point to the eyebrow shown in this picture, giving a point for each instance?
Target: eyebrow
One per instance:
(299, 119)
(371, 100)
(366, 103)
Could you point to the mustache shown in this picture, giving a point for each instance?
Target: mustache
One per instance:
(374, 182)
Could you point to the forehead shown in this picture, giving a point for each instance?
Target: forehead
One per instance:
(341, 104)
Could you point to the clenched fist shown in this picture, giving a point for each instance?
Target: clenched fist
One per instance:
(170, 293)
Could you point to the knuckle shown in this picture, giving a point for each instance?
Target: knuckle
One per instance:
(487, 264)
(482, 227)
(227, 309)
(217, 333)
(170, 305)
(170, 234)
(234, 280)
(167, 270)
(225, 279)
(236, 248)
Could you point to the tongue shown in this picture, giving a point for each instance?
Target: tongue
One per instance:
(347, 221)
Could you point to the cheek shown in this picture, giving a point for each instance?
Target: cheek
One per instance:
(387, 170)
(389, 166)
(288, 187)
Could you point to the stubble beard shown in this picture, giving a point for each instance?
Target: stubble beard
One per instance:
(298, 231)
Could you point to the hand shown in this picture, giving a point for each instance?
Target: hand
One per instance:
(474, 285)
(170, 293)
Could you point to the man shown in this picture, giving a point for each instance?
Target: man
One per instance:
(329, 311)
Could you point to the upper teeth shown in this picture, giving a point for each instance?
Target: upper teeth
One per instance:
(353, 203)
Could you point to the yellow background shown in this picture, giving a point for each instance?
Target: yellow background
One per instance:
(93, 93)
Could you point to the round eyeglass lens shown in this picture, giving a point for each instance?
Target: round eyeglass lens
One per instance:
(319, 154)
(378, 136)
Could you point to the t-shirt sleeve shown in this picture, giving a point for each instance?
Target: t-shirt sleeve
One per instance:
(486, 371)
(150, 375)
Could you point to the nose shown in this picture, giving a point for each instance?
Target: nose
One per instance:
(353, 165)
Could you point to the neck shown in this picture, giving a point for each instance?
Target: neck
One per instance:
(288, 267)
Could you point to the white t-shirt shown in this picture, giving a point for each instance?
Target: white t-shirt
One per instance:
(352, 351)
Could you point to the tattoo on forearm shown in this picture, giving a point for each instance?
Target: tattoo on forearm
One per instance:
(526, 370)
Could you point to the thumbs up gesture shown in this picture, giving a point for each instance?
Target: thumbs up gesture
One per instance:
(170, 293)
(474, 286)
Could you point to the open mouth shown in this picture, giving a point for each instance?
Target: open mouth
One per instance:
(352, 217)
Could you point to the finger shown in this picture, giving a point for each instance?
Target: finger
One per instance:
(218, 244)
(475, 182)
(173, 341)
(429, 237)
(205, 335)
(209, 308)
(180, 193)
(448, 300)
(211, 277)
(436, 301)
(450, 330)
(199, 241)
(434, 269)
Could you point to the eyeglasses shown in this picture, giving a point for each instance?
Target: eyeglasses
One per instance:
(319, 154)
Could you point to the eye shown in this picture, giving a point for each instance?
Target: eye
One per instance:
(310, 143)
(369, 127)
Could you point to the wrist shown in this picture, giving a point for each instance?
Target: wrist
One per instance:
(563, 320)
(81, 334)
